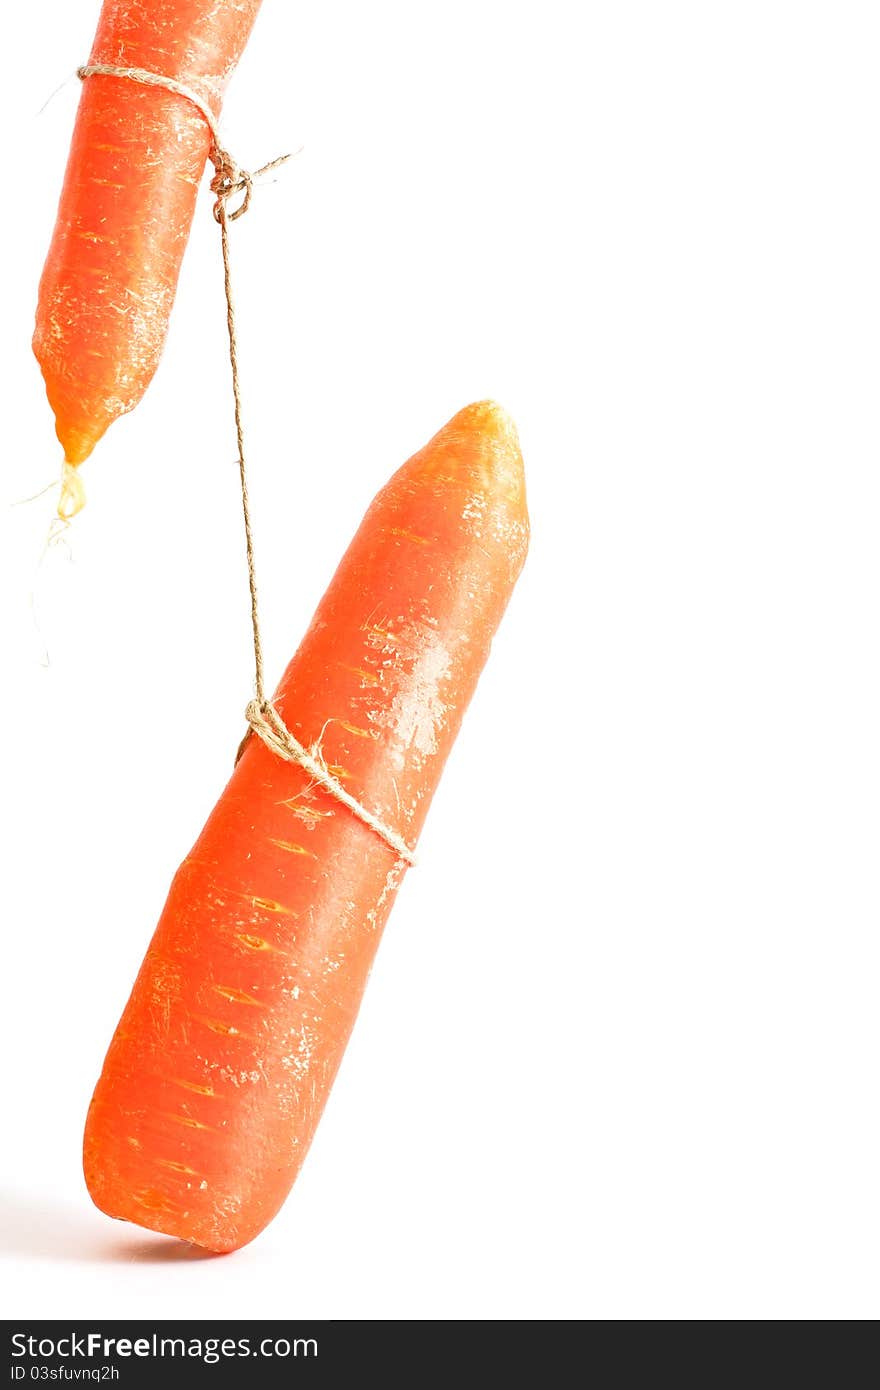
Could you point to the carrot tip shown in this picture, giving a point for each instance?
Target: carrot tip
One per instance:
(495, 420)
(486, 429)
(73, 494)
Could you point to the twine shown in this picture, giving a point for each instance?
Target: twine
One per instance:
(263, 718)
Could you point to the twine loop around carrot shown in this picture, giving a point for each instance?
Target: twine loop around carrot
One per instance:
(265, 721)
(230, 180)
(229, 177)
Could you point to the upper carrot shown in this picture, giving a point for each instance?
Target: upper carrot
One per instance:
(220, 1067)
(136, 159)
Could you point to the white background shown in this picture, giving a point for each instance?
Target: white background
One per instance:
(618, 1057)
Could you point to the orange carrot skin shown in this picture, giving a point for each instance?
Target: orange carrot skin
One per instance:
(136, 159)
(222, 1062)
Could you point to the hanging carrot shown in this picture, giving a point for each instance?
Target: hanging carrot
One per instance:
(137, 156)
(221, 1064)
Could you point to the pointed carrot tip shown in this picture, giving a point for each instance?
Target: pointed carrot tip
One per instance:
(492, 427)
(77, 443)
(75, 431)
(491, 420)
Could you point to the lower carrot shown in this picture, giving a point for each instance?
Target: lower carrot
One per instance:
(220, 1067)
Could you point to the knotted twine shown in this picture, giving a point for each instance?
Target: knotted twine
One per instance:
(231, 180)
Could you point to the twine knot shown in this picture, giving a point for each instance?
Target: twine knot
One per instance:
(229, 179)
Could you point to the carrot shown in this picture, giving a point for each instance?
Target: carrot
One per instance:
(136, 158)
(218, 1072)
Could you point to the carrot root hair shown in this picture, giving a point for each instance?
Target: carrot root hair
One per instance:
(72, 498)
